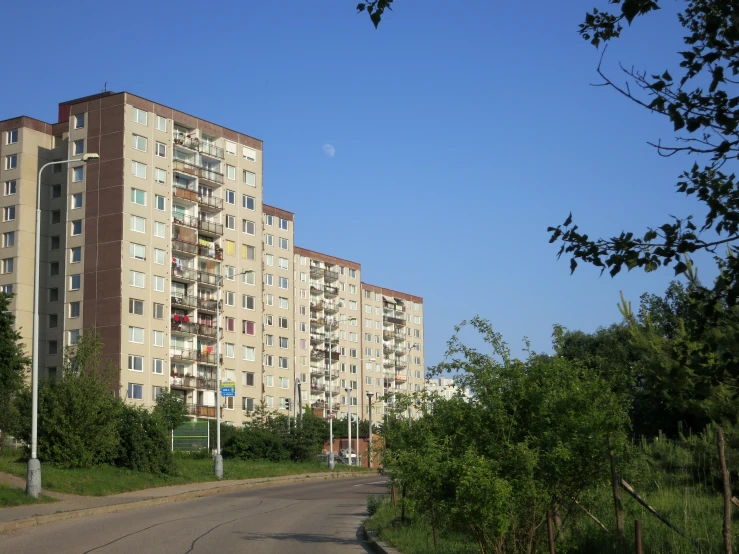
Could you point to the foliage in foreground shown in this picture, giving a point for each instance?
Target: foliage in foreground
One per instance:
(13, 367)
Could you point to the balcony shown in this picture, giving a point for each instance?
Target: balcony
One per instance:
(182, 354)
(400, 365)
(389, 376)
(328, 290)
(184, 327)
(400, 378)
(210, 279)
(185, 194)
(393, 320)
(399, 337)
(186, 141)
(214, 252)
(205, 411)
(184, 301)
(316, 306)
(186, 220)
(184, 273)
(316, 371)
(317, 354)
(210, 175)
(316, 271)
(318, 405)
(317, 338)
(388, 335)
(185, 167)
(315, 389)
(316, 288)
(207, 304)
(388, 348)
(207, 357)
(210, 149)
(210, 227)
(177, 381)
(208, 331)
(185, 247)
(210, 202)
(331, 307)
(207, 384)
(388, 363)
(330, 275)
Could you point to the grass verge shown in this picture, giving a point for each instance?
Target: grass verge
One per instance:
(107, 480)
(16, 497)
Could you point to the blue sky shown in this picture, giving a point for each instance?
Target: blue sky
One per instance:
(459, 134)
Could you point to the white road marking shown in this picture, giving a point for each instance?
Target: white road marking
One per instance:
(375, 483)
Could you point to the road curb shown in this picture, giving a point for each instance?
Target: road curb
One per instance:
(375, 544)
(149, 502)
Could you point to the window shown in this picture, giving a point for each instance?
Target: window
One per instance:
(284, 403)
(54, 268)
(229, 247)
(269, 279)
(161, 150)
(268, 221)
(136, 363)
(269, 300)
(269, 340)
(230, 172)
(158, 283)
(230, 147)
(136, 334)
(137, 168)
(74, 282)
(352, 352)
(158, 311)
(249, 328)
(76, 227)
(269, 260)
(284, 304)
(160, 175)
(248, 353)
(136, 279)
(79, 172)
(268, 360)
(283, 323)
(247, 378)
(74, 309)
(368, 380)
(75, 254)
(54, 294)
(230, 222)
(248, 302)
(353, 273)
(138, 142)
(367, 294)
(230, 298)
(79, 121)
(56, 191)
(368, 351)
(161, 123)
(269, 239)
(284, 244)
(352, 304)
(230, 324)
(135, 307)
(138, 224)
(229, 350)
(78, 147)
(12, 137)
(76, 201)
(248, 252)
(139, 116)
(249, 154)
(52, 347)
(137, 251)
(284, 342)
(160, 229)
(159, 203)
(352, 337)
(352, 289)
(230, 197)
(283, 282)
(270, 401)
(248, 227)
(157, 338)
(284, 383)
(6, 266)
(159, 256)
(11, 162)
(9, 213)
(135, 391)
(56, 216)
(10, 187)
(138, 196)
(54, 242)
(284, 224)
(8, 239)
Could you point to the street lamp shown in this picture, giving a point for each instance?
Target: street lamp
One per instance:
(349, 420)
(369, 449)
(300, 403)
(33, 475)
(218, 460)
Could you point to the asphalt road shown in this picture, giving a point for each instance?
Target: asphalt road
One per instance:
(307, 518)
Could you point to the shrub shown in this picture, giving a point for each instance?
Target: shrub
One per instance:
(144, 441)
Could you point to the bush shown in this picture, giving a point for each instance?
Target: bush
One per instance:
(374, 501)
(144, 441)
(255, 443)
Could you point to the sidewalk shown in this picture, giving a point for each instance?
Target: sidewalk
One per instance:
(71, 506)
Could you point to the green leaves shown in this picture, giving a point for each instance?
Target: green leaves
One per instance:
(375, 9)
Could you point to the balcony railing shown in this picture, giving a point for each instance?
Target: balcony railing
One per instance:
(210, 201)
(331, 308)
(393, 320)
(388, 348)
(208, 384)
(182, 327)
(187, 142)
(318, 405)
(207, 358)
(316, 271)
(330, 275)
(186, 247)
(184, 273)
(184, 354)
(205, 411)
(210, 175)
(189, 221)
(211, 227)
(183, 381)
(210, 149)
(316, 306)
(316, 371)
(331, 291)
(210, 252)
(317, 388)
(185, 194)
(316, 288)
(388, 363)
(185, 167)
(400, 378)
(316, 338)
(207, 331)
(208, 304)
(206, 278)
(388, 335)
(399, 337)
(400, 365)
(187, 301)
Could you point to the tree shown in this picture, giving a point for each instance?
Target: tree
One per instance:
(702, 106)
(171, 408)
(13, 366)
(375, 9)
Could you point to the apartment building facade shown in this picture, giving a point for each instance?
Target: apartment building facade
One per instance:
(140, 243)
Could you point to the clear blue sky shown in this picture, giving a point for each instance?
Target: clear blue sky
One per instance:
(459, 135)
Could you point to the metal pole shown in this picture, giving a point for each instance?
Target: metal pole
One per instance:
(33, 472)
(358, 414)
(349, 422)
(299, 404)
(331, 462)
(369, 448)
(218, 461)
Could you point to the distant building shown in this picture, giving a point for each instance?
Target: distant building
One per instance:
(445, 387)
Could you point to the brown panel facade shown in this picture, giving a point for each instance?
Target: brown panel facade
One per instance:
(326, 258)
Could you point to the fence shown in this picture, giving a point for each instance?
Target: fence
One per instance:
(193, 435)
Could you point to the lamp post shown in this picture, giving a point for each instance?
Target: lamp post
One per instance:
(349, 421)
(299, 404)
(369, 448)
(33, 474)
(218, 460)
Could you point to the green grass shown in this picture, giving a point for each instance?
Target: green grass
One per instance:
(106, 480)
(16, 497)
(415, 536)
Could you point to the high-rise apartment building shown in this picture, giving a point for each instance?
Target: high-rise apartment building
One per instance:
(139, 243)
